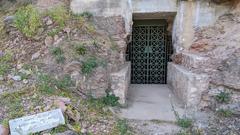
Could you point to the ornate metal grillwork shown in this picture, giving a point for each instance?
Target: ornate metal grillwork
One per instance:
(148, 53)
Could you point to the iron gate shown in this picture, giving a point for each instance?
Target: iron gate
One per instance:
(148, 52)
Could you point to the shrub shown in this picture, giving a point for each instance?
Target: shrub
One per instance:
(64, 83)
(59, 15)
(80, 49)
(86, 14)
(58, 54)
(60, 59)
(27, 20)
(49, 85)
(4, 68)
(59, 129)
(184, 122)
(121, 128)
(45, 84)
(110, 100)
(54, 32)
(4, 63)
(89, 65)
(56, 51)
(223, 97)
(225, 113)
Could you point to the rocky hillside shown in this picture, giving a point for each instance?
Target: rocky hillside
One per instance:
(51, 58)
(216, 52)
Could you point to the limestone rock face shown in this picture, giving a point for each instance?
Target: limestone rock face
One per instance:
(234, 108)
(187, 85)
(231, 71)
(120, 82)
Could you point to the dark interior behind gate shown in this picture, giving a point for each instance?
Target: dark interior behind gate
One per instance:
(149, 52)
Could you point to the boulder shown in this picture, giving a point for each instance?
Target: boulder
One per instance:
(36, 55)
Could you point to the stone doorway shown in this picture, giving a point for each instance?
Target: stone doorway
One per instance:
(149, 51)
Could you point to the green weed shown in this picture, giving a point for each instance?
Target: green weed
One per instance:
(60, 59)
(5, 123)
(225, 113)
(50, 85)
(121, 128)
(58, 54)
(27, 20)
(77, 127)
(5, 63)
(59, 15)
(80, 49)
(54, 32)
(64, 83)
(56, 51)
(190, 132)
(46, 84)
(89, 65)
(110, 100)
(59, 129)
(13, 102)
(223, 97)
(184, 122)
(86, 14)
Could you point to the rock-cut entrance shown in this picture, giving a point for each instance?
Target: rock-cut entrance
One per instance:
(149, 52)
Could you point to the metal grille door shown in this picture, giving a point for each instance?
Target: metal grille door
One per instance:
(148, 54)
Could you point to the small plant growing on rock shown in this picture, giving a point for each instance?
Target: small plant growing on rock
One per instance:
(80, 49)
(58, 54)
(59, 15)
(54, 32)
(64, 83)
(5, 123)
(110, 100)
(89, 65)
(183, 121)
(86, 14)
(223, 97)
(4, 63)
(27, 20)
(45, 84)
(50, 85)
(59, 129)
(225, 113)
(121, 128)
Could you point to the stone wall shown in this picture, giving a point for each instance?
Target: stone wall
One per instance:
(186, 85)
(120, 82)
(192, 15)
